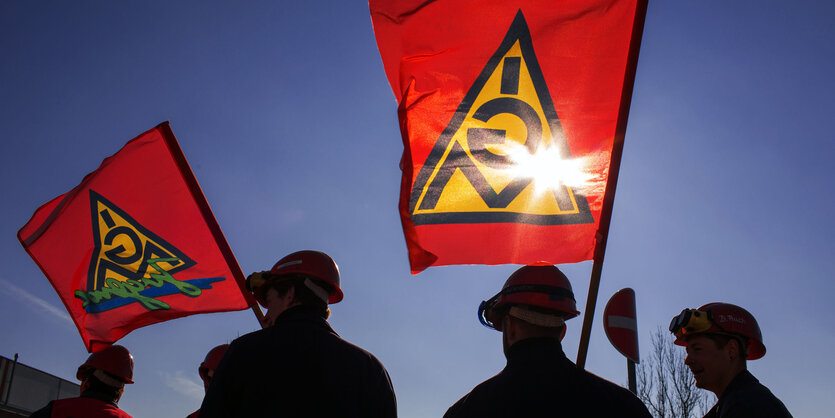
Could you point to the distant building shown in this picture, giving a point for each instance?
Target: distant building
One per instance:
(24, 389)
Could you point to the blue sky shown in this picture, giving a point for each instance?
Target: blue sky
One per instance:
(286, 116)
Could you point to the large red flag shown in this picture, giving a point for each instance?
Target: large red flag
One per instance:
(508, 112)
(134, 244)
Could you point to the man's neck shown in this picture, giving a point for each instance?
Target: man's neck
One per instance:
(732, 374)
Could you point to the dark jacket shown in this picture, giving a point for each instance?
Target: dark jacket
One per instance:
(539, 381)
(746, 397)
(89, 405)
(299, 367)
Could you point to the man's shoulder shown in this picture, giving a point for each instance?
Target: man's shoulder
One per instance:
(483, 400)
(755, 398)
(609, 394)
(350, 352)
(585, 380)
(250, 337)
(86, 404)
(44, 412)
(593, 380)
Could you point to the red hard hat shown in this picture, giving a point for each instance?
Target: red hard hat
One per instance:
(211, 362)
(314, 264)
(544, 287)
(731, 320)
(114, 359)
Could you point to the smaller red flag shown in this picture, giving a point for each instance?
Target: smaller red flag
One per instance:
(135, 244)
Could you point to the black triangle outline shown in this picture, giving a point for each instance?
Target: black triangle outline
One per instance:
(95, 197)
(518, 31)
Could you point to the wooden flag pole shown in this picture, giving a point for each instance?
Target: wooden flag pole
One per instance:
(611, 185)
(594, 286)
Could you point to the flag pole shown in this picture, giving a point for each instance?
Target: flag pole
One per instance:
(611, 185)
(209, 217)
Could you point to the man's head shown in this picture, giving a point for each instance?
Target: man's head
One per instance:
(107, 371)
(301, 278)
(534, 302)
(719, 338)
(714, 360)
(209, 365)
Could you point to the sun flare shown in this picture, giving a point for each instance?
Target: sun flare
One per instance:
(547, 168)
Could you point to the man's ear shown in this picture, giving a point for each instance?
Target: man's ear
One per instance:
(85, 384)
(510, 328)
(290, 296)
(733, 348)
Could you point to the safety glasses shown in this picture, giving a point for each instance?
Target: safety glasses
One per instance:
(485, 311)
(691, 321)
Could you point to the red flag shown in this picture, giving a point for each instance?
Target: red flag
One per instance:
(508, 112)
(134, 244)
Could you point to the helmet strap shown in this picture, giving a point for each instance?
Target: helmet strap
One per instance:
(105, 378)
(551, 291)
(536, 318)
(317, 290)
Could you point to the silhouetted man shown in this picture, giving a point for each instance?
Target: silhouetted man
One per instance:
(538, 380)
(720, 337)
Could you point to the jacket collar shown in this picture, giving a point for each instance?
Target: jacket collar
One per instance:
(534, 351)
(742, 379)
(94, 394)
(302, 314)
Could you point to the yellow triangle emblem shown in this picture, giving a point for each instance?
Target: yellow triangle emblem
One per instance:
(123, 248)
(503, 156)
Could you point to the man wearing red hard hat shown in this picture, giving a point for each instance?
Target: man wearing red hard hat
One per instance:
(207, 369)
(720, 337)
(103, 377)
(538, 380)
(297, 366)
